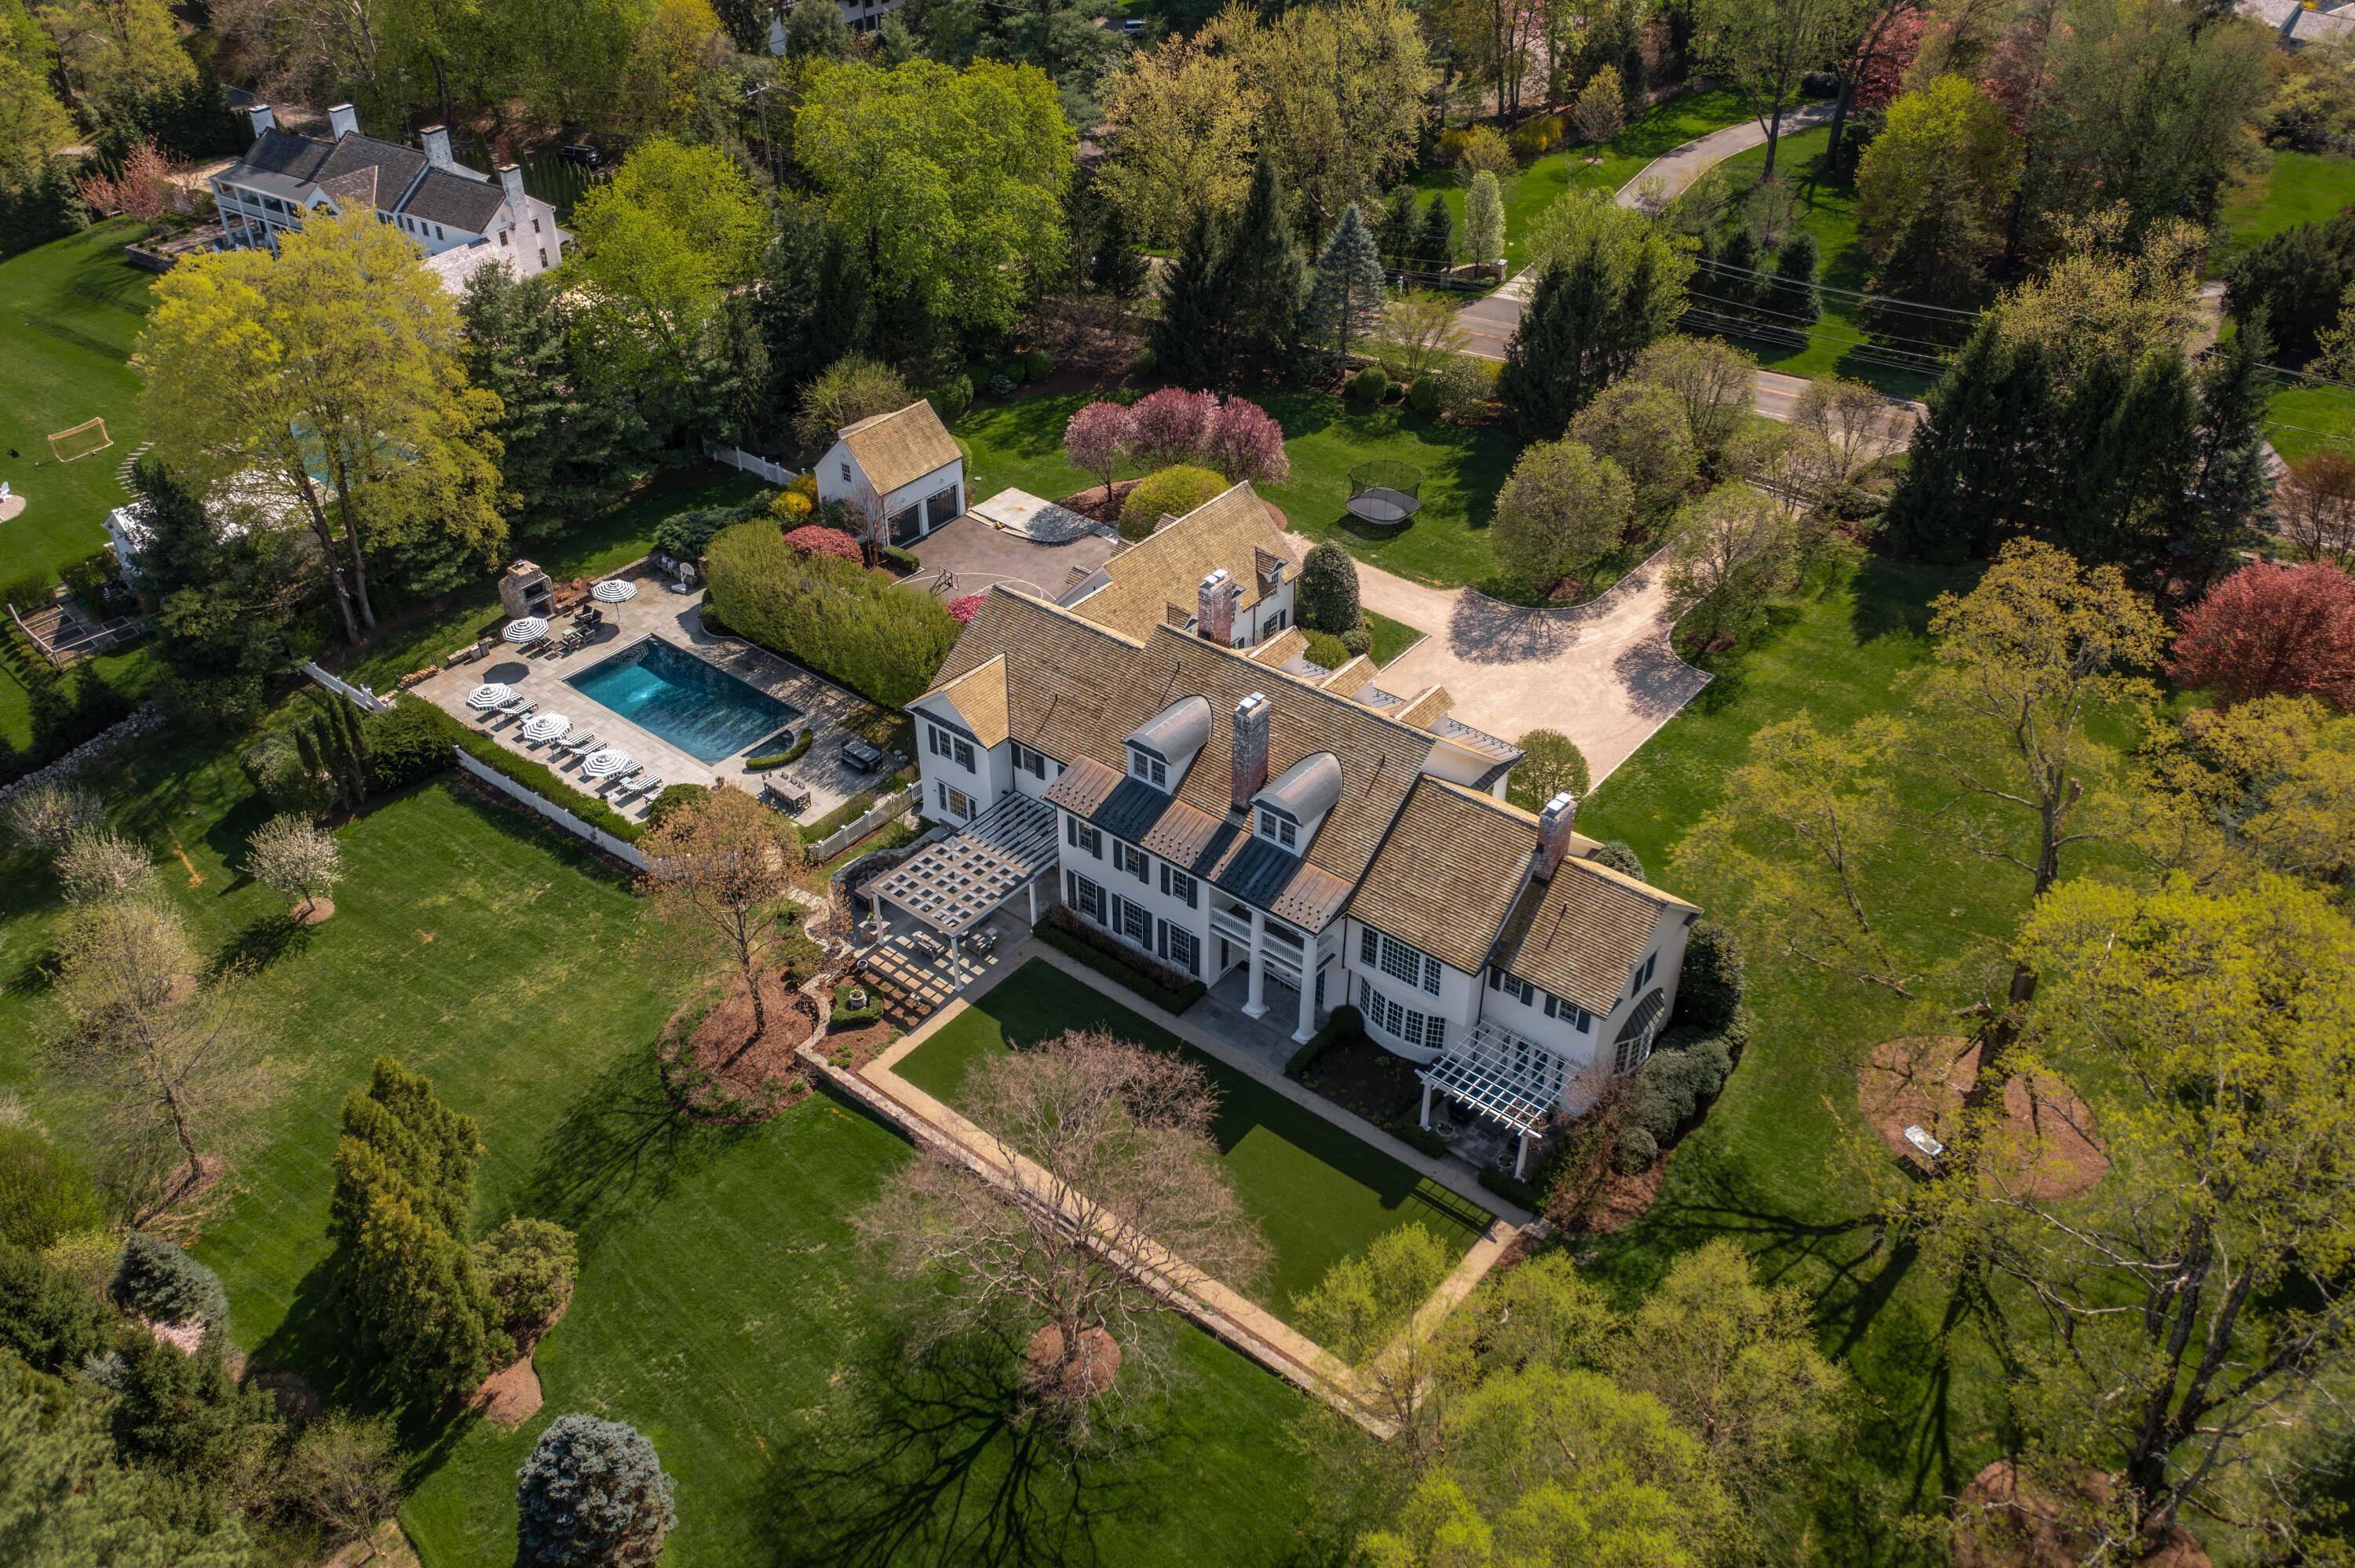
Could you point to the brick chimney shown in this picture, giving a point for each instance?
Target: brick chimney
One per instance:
(263, 118)
(1249, 775)
(1214, 615)
(1555, 824)
(518, 204)
(435, 140)
(342, 121)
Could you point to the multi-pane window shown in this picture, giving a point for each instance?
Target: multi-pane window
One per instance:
(1641, 975)
(1631, 1053)
(1579, 1018)
(1400, 1022)
(1136, 923)
(1129, 858)
(1399, 960)
(955, 802)
(1177, 884)
(1180, 947)
(1150, 768)
(1029, 761)
(1086, 897)
(1280, 829)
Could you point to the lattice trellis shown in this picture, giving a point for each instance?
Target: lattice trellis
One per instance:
(956, 884)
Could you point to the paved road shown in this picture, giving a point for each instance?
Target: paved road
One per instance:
(1601, 672)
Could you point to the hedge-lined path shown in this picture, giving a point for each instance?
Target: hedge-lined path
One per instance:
(1602, 672)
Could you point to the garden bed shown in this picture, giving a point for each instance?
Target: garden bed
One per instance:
(1360, 1077)
(718, 1071)
(2048, 1147)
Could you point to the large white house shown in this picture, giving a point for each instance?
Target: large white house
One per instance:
(864, 17)
(459, 218)
(901, 470)
(1224, 809)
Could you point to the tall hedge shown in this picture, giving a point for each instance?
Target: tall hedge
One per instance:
(1328, 596)
(856, 627)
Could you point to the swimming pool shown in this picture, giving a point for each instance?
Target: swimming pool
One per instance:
(703, 710)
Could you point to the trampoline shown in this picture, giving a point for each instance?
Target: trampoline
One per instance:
(1384, 492)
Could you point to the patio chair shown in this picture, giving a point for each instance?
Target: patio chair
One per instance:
(786, 795)
(646, 787)
(519, 714)
(928, 944)
(581, 748)
(619, 785)
(511, 707)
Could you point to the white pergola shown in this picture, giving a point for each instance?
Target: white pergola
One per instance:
(956, 884)
(1502, 1075)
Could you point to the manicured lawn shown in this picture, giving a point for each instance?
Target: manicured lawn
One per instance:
(1837, 345)
(722, 1306)
(1319, 1193)
(2297, 187)
(1392, 637)
(1021, 444)
(69, 313)
(2305, 416)
(612, 538)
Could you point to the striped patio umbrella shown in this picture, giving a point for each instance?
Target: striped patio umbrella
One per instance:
(546, 727)
(613, 591)
(607, 763)
(493, 694)
(530, 629)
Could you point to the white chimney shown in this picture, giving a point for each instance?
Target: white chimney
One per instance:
(263, 119)
(518, 204)
(342, 121)
(435, 140)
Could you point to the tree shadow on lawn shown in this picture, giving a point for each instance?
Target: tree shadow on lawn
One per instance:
(928, 1462)
(259, 944)
(619, 1149)
(1891, 598)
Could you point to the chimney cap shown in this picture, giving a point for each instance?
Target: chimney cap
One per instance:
(1218, 576)
(433, 130)
(1564, 801)
(1252, 703)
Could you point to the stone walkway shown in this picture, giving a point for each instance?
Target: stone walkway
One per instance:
(1602, 672)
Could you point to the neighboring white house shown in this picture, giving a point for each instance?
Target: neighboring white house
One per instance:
(459, 218)
(1355, 847)
(864, 17)
(1224, 571)
(903, 470)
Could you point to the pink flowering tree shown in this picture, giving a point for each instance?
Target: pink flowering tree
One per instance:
(962, 610)
(1244, 442)
(2272, 630)
(813, 540)
(1097, 436)
(1171, 424)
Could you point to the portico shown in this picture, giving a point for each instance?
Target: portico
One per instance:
(1269, 948)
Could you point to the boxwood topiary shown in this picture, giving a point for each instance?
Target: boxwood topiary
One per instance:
(1368, 385)
(1358, 639)
(1423, 395)
(1174, 491)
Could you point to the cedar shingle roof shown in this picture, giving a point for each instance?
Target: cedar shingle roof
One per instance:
(902, 447)
(1580, 934)
(1233, 529)
(980, 695)
(1422, 710)
(456, 201)
(1282, 648)
(1448, 875)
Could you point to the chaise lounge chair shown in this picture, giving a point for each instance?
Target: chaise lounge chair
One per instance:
(519, 714)
(575, 750)
(643, 784)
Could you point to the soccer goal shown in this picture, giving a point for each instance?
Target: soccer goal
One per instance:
(84, 438)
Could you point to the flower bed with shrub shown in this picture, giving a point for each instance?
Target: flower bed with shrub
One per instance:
(1158, 983)
(793, 753)
(853, 626)
(813, 540)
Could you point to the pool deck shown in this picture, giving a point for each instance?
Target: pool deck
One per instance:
(676, 619)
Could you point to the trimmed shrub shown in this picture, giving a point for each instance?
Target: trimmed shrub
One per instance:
(405, 744)
(43, 1191)
(1327, 595)
(1344, 1023)
(277, 775)
(1368, 385)
(540, 780)
(673, 800)
(528, 1266)
(977, 379)
(1038, 365)
(851, 625)
(903, 561)
(44, 1318)
(1326, 650)
(812, 540)
(1001, 386)
(685, 535)
(1646, 1104)
(1423, 395)
(1637, 1151)
(593, 1493)
(1158, 983)
(1417, 1136)
(160, 1282)
(846, 1016)
(1174, 491)
(761, 764)
(1358, 639)
(1710, 985)
(1621, 858)
(1689, 1077)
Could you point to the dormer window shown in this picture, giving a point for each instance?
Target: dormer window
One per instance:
(1279, 830)
(1143, 764)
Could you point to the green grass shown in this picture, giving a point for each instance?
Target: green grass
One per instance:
(1020, 444)
(2296, 187)
(1837, 345)
(1319, 1194)
(722, 1306)
(1392, 637)
(613, 538)
(2304, 417)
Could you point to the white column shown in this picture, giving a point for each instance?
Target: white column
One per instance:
(1424, 1119)
(1255, 1003)
(1032, 887)
(956, 965)
(1522, 1158)
(1307, 997)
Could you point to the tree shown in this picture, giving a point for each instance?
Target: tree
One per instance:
(1642, 427)
(1393, 225)
(2231, 466)
(1346, 300)
(852, 389)
(2300, 279)
(1116, 269)
(330, 374)
(1363, 1311)
(1097, 437)
(163, 1284)
(1612, 286)
(1263, 279)
(714, 877)
(343, 1471)
(568, 415)
(333, 746)
(97, 865)
(1484, 218)
(949, 183)
(408, 1290)
(1731, 551)
(2315, 506)
(292, 858)
(592, 1494)
(1187, 338)
(48, 815)
(1112, 1178)
(1418, 334)
(1327, 595)
(1946, 159)
(1850, 427)
(1244, 442)
(818, 36)
(2270, 630)
(1601, 109)
(1172, 425)
(1435, 240)
(142, 190)
(1792, 291)
(1711, 381)
(176, 1071)
(233, 584)
(1562, 508)
(2209, 1032)
(1766, 46)
(1550, 765)
(1176, 131)
(528, 1266)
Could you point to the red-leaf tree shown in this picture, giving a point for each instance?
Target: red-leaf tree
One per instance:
(813, 540)
(962, 609)
(1244, 442)
(142, 190)
(1171, 424)
(2271, 631)
(1097, 436)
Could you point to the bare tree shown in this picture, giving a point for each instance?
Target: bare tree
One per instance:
(1108, 1195)
(292, 857)
(1848, 428)
(175, 1068)
(2315, 506)
(715, 872)
(46, 815)
(96, 866)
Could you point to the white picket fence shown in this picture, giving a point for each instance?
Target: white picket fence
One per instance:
(750, 462)
(369, 701)
(842, 838)
(620, 849)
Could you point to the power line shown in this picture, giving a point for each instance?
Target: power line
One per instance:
(1821, 287)
(1813, 329)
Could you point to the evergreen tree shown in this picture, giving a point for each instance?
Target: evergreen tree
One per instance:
(1965, 476)
(1117, 269)
(1328, 590)
(1347, 297)
(1549, 369)
(1186, 341)
(813, 301)
(1733, 283)
(1434, 244)
(1395, 230)
(566, 425)
(1793, 293)
(186, 1415)
(592, 1495)
(1937, 261)
(2232, 471)
(1264, 278)
(2298, 278)
(2121, 464)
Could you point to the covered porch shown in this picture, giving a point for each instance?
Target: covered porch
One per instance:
(950, 890)
(1502, 1077)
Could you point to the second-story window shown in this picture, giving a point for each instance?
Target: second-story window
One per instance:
(846, 474)
(1279, 830)
(1178, 885)
(1152, 769)
(1132, 860)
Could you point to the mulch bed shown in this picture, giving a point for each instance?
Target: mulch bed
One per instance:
(2049, 1148)
(719, 1073)
(1092, 1370)
(1092, 501)
(1624, 1199)
(852, 1049)
(1359, 1076)
(2007, 1519)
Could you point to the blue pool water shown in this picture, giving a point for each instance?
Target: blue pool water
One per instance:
(702, 710)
